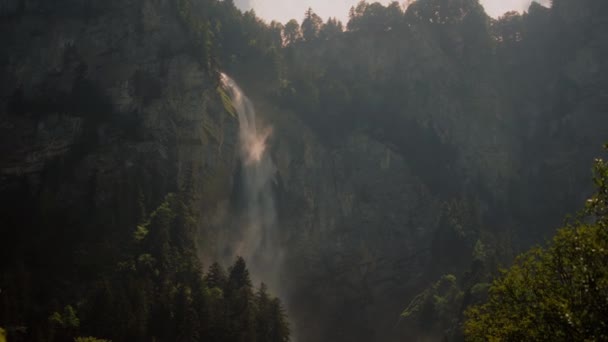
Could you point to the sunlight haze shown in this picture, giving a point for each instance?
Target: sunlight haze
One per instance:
(303, 170)
(284, 10)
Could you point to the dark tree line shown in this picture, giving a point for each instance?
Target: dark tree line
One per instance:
(412, 78)
(158, 292)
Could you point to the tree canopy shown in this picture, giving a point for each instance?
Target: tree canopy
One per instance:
(557, 293)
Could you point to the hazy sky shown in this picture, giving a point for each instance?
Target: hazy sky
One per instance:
(283, 10)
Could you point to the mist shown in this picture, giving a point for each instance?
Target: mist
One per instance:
(258, 237)
(185, 171)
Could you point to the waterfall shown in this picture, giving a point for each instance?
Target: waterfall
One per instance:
(258, 242)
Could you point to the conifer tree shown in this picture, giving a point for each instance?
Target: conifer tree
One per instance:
(216, 277)
(240, 303)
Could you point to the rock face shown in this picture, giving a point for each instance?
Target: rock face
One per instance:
(358, 229)
(104, 110)
(385, 209)
(109, 93)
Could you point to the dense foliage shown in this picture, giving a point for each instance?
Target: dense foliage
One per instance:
(494, 120)
(554, 294)
(497, 117)
(158, 291)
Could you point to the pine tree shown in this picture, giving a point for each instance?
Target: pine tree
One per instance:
(240, 304)
(271, 320)
(311, 25)
(291, 32)
(263, 314)
(216, 277)
(280, 326)
(186, 317)
(239, 276)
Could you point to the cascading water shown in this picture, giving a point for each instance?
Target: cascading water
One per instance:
(258, 243)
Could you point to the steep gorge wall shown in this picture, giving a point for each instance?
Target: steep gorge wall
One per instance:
(401, 159)
(358, 227)
(104, 111)
(109, 89)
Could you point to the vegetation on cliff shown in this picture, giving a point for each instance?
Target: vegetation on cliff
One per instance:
(496, 119)
(156, 291)
(557, 293)
(435, 144)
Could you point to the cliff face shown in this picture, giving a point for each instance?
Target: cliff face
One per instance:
(104, 110)
(107, 97)
(387, 188)
(359, 229)
(359, 235)
(404, 84)
(404, 160)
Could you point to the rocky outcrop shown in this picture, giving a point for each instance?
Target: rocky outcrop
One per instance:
(111, 87)
(104, 110)
(357, 226)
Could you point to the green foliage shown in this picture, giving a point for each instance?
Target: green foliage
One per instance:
(292, 32)
(375, 17)
(597, 205)
(90, 339)
(279, 325)
(428, 84)
(311, 25)
(216, 277)
(240, 302)
(239, 275)
(66, 319)
(199, 28)
(442, 84)
(508, 29)
(158, 292)
(332, 29)
(557, 293)
(480, 289)
(227, 102)
(64, 324)
(271, 321)
(436, 308)
(479, 251)
(140, 233)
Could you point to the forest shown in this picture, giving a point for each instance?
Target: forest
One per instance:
(183, 170)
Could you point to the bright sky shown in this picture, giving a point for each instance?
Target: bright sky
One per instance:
(284, 10)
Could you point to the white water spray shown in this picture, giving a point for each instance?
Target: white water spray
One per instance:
(259, 243)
